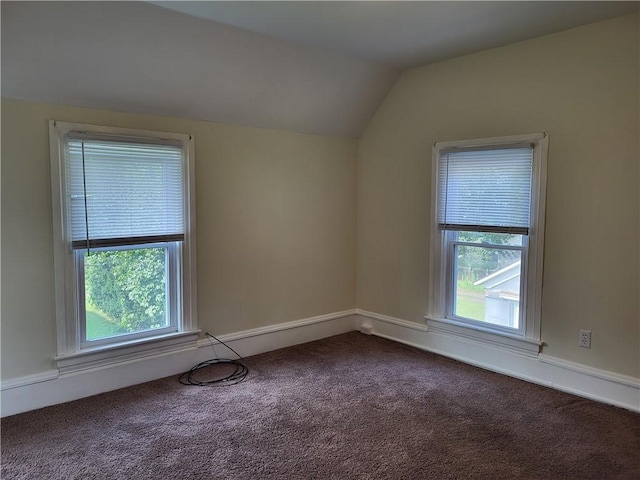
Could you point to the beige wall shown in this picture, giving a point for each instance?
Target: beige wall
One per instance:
(581, 86)
(276, 226)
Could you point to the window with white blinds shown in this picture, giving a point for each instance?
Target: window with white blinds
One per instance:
(123, 208)
(123, 192)
(487, 239)
(485, 189)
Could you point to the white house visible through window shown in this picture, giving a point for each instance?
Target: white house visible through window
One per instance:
(123, 202)
(488, 235)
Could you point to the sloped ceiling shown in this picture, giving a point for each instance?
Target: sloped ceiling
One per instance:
(141, 58)
(405, 33)
(313, 67)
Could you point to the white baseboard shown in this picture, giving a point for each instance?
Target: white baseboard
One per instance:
(50, 388)
(30, 379)
(587, 382)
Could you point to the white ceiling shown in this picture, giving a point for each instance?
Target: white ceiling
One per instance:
(404, 33)
(314, 67)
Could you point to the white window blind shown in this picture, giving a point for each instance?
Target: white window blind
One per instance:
(123, 193)
(485, 189)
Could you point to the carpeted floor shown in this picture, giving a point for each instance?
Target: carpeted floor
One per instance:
(347, 407)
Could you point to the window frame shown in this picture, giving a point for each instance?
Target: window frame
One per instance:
(439, 317)
(73, 351)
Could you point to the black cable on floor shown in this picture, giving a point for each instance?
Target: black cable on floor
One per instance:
(237, 376)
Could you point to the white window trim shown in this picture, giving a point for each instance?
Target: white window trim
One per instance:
(530, 341)
(70, 357)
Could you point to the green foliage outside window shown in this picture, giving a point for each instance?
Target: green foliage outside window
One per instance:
(128, 287)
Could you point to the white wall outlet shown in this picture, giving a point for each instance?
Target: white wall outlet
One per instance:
(584, 339)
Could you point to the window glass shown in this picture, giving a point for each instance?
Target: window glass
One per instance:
(487, 284)
(125, 291)
(492, 238)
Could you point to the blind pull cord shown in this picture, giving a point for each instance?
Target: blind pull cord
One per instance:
(446, 197)
(84, 192)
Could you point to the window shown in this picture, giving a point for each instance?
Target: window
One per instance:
(486, 247)
(123, 205)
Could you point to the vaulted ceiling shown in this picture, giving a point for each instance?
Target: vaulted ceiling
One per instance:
(404, 33)
(313, 67)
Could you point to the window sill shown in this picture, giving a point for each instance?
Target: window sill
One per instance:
(125, 351)
(514, 343)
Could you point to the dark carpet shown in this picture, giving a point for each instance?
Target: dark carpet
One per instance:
(346, 407)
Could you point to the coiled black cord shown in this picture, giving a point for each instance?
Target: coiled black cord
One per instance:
(238, 375)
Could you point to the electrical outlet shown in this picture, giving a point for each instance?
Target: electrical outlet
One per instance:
(584, 339)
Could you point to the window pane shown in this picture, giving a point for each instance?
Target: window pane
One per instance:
(487, 285)
(125, 291)
(494, 238)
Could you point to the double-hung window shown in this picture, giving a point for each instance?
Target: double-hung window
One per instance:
(124, 232)
(487, 241)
